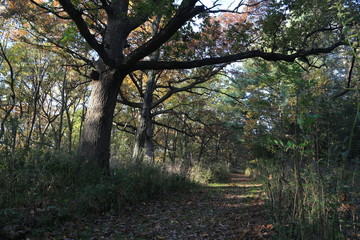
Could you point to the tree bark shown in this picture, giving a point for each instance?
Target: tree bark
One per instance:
(144, 146)
(96, 135)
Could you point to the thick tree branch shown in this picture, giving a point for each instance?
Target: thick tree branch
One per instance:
(138, 87)
(125, 126)
(186, 11)
(75, 15)
(156, 65)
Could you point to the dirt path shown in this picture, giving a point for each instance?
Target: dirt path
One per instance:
(219, 211)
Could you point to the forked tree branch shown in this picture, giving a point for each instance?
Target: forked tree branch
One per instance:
(76, 16)
(186, 11)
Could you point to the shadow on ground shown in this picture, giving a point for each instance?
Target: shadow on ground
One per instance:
(228, 211)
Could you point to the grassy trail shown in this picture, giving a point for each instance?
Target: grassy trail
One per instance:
(218, 211)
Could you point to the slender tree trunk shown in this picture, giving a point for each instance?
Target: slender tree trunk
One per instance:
(33, 119)
(96, 134)
(166, 144)
(82, 118)
(61, 114)
(70, 125)
(144, 146)
(186, 151)
(173, 154)
(203, 144)
(217, 147)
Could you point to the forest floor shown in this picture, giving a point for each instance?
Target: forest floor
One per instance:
(228, 211)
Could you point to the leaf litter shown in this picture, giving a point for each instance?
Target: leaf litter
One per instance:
(228, 211)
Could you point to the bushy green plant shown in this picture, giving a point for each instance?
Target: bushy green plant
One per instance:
(216, 172)
(219, 172)
(200, 174)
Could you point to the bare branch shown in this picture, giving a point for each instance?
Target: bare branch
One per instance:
(349, 78)
(187, 115)
(172, 128)
(49, 10)
(124, 100)
(307, 36)
(134, 80)
(221, 92)
(174, 90)
(125, 126)
(49, 40)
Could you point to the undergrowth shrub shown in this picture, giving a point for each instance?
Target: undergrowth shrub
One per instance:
(49, 188)
(146, 181)
(216, 172)
(219, 172)
(200, 174)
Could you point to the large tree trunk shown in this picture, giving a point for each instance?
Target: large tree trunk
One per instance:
(96, 134)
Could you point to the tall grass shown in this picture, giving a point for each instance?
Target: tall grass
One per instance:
(312, 202)
(42, 189)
